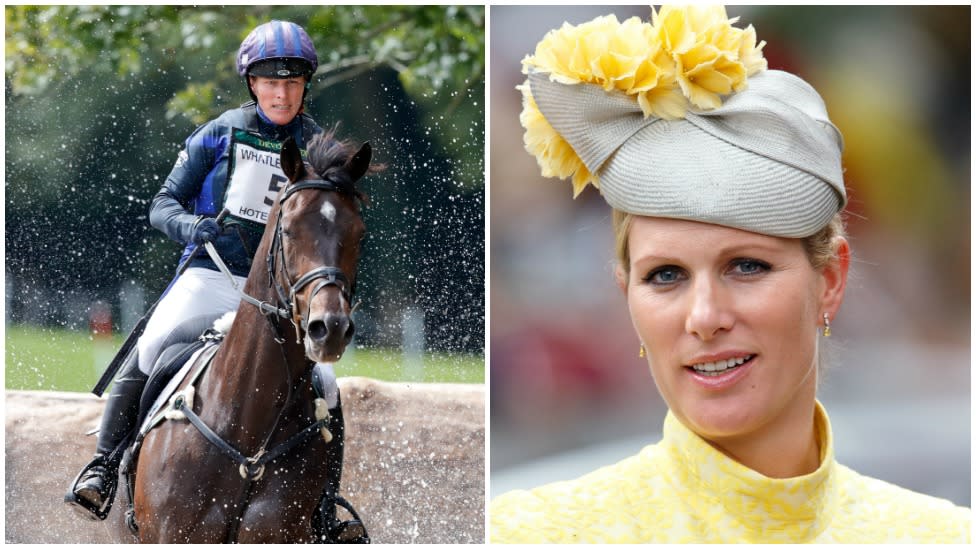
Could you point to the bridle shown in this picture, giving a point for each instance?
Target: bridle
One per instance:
(325, 275)
(252, 468)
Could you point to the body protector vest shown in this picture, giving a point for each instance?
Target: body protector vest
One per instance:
(233, 162)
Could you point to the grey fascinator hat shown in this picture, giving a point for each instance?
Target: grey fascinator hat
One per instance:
(757, 153)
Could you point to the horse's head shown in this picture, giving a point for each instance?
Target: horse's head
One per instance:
(319, 228)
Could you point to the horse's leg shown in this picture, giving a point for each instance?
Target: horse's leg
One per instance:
(170, 487)
(281, 507)
(285, 499)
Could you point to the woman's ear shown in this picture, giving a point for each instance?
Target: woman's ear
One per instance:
(835, 277)
(621, 275)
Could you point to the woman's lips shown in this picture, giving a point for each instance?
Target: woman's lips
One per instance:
(721, 373)
(718, 366)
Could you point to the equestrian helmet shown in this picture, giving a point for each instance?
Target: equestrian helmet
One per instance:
(277, 49)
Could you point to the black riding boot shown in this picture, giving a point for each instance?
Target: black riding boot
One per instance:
(331, 529)
(93, 490)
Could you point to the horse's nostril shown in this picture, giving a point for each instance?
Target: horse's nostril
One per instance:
(317, 330)
(350, 331)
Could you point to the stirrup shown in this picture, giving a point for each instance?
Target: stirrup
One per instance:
(348, 531)
(331, 530)
(88, 509)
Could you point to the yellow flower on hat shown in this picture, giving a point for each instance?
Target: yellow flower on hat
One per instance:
(711, 57)
(617, 56)
(750, 55)
(555, 156)
(689, 56)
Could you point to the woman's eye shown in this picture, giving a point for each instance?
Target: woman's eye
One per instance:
(664, 276)
(749, 266)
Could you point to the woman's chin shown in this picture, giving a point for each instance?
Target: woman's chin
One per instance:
(723, 419)
(280, 118)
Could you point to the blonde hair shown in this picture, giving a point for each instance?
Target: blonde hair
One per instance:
(819, 246)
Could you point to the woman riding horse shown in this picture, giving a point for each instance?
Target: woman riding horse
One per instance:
(228, 163)
(247, 422)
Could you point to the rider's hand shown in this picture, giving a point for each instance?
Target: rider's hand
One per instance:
(205, 230)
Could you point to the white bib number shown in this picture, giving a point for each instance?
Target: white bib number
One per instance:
(254, 177)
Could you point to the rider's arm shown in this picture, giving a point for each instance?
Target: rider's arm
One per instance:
(170, 211)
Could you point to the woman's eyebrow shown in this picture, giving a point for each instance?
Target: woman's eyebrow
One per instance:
(735, 249)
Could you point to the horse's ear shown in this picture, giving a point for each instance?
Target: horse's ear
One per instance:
(291, 160)
(358, 165)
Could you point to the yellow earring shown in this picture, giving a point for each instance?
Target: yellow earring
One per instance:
(642, 352)
(826, 325)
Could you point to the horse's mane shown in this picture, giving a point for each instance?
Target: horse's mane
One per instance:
(328, 156)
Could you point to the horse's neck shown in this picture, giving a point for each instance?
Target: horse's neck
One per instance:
(253, 373)
(255, 382)
(252, 353)
(256, 337)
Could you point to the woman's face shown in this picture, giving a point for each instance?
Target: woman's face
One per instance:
(730, 322)
(279, 98)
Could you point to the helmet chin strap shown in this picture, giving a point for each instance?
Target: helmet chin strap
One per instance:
(308, 86)
(247, 84)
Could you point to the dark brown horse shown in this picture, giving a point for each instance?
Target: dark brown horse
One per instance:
(257, 394)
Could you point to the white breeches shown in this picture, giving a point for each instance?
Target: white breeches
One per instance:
(196, 293)
(202, 293)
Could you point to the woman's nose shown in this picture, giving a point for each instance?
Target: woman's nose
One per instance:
(708, 312)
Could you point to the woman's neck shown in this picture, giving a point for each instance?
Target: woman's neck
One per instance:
(785, 448)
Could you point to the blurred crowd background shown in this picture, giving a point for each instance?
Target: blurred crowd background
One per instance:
(568, 391)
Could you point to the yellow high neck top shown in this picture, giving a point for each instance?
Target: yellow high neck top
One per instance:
(684, 490)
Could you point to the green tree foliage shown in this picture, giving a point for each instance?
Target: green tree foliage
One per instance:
(432, 47)
(437, 51)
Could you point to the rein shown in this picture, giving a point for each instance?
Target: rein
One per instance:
(252, 468)
(328, 275)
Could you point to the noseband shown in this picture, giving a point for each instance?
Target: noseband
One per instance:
(326, 275)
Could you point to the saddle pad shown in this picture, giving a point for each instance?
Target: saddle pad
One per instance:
(171, 360)
(206, 353)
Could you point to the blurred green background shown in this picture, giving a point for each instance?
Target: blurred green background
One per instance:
(99, 100)
(39, 358)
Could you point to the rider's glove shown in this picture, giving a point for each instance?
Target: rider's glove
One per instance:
(206, 229)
